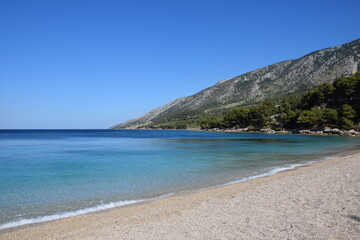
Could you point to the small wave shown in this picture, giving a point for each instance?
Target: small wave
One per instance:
(264, 174)
(57, 216)
(270, 172)
(128, 202)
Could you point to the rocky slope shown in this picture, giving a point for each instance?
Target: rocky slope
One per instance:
(276, 80)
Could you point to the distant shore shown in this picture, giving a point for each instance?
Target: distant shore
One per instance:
(318, 201)
(317, 132)
(320, 132)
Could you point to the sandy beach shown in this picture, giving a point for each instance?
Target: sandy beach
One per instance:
(319, 201)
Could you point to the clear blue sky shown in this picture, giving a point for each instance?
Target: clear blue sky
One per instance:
(93, 64)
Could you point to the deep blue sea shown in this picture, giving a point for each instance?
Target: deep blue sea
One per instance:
(51, 174)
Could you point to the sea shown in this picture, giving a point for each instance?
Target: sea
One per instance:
(52, 174)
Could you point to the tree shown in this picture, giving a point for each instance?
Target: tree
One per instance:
(237, 117)
(211, 123)
(268, 108)
(345, 88)
(311, 118)
(257, 118)
(318, 96)
(346, 123)
(347, 114)
(330, 117)
(288, 114)
(347, 111)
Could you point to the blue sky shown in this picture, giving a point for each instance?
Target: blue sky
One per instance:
(93, 64)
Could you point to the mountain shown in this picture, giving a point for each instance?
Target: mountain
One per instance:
(270, 82)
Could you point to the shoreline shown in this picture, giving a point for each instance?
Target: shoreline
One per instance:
(27, 231)
(28, 223)
(324, 132)
(308, 132)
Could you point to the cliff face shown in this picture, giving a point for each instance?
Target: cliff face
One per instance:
(275, 80)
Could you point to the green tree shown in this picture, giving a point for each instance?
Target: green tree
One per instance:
(347, 114)
(288, 114)
(330, 117)
(346, 123)
(257, 118)
(318, 96)
(268, 108)
(325, 92)
(180, 125)
(347, 111)
(211, 123)
(311, 118)
(237, 117)
(345, 88)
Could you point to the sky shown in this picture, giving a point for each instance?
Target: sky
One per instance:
(93, 64)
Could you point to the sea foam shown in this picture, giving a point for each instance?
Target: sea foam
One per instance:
(100, 207)
(270, 172)
(57, 216)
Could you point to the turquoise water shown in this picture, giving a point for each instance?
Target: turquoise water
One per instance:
(46, 175)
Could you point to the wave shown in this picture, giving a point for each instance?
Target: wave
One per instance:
(270, 172)
(128, 202)
(57, 216)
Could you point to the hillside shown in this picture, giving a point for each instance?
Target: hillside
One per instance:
(270, 82)
(335, 105)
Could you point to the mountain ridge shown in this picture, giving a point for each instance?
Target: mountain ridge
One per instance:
(275, 80)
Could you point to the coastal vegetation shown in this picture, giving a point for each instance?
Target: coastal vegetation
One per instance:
(335, 105)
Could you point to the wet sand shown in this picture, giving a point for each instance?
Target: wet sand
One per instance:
(319, 201)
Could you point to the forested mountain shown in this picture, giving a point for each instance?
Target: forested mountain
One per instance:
(334, 105)
(273, 82)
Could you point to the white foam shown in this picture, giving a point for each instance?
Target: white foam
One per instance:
(127, 202)
(21, 222)
(268, 173)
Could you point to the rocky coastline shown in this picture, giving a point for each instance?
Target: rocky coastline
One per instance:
(325, 131)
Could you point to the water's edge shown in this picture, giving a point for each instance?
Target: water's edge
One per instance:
(13, 225)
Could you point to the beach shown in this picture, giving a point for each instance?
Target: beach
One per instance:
(318, 201)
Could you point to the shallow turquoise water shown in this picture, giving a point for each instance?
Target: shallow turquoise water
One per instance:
(57, 173)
